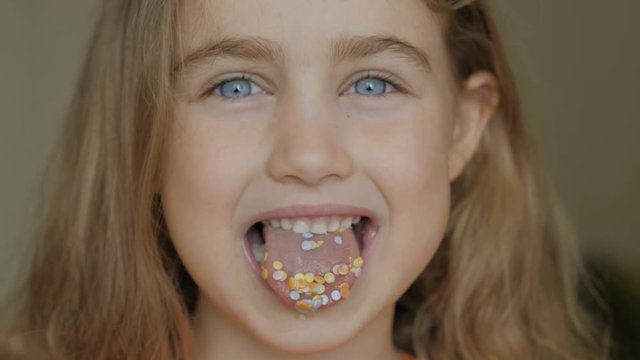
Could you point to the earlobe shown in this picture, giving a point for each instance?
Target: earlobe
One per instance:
(478, 100)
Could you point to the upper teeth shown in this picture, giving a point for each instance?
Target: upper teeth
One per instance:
(320, 225)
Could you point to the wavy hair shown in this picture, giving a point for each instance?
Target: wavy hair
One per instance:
(105, 283)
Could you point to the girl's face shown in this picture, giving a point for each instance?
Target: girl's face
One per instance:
(337, 108)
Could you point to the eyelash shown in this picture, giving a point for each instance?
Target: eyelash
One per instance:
(388, 78)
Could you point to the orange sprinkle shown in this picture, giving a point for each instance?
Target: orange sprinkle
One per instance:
(344, 290)
(264, 273)
(343, 269)
(319, 279)
(291, 283)
(302, 306)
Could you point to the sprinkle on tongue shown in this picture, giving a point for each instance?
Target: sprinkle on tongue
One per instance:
(308, 271)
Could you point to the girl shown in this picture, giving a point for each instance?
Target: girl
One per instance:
(290, 179)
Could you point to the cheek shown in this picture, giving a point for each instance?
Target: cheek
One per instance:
(204, 174)
(407, 160)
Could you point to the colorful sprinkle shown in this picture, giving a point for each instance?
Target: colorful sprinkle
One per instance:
(303, 306)
(325, 299)
(279, 275)
(277, 265)
(298, 276)
(335, 295)
(307, 245)
(264, 273)
(338, 239)
(344, 290)
(341, 230)
(307, 235)
(329, 278)
(358, 262)
(309, 277)
(340, 269)
(291, 283)
(294, 295)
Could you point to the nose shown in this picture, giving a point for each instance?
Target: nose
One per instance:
(309, 145)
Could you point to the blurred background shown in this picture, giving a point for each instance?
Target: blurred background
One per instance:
(578, 68)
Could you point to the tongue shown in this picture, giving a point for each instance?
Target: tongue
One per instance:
(311, 271)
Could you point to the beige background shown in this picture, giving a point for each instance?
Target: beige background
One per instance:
(577, 63)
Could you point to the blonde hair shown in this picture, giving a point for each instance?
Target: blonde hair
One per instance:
(105, 282)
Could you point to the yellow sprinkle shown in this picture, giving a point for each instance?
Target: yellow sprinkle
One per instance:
(279, 275)
(264, 273)
(329, 278)
(358, 262)
(344, 290)
(266, 255)
(277, 265)
(298, 276)
(309, 277)
(291, 283)
(320, 242)
(341, 230)
(312, 287)
(319, 279)
(301, 284)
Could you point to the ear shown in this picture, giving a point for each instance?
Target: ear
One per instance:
(478, 100)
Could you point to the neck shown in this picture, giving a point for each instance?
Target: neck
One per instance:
(220, 337)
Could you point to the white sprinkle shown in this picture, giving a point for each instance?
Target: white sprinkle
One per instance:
(335, 295)
(319, 289)
(307, 235)
(338, 239)
(325, 299)
(307, 245)
(317, 303)
(294, 295)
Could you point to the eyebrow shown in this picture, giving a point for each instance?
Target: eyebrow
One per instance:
(344, 48)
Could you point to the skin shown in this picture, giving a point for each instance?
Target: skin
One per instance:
(304, 138)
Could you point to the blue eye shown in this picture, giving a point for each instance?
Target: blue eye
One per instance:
(235, 88)
(371, 86)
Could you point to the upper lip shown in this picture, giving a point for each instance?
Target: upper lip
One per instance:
(295, 211)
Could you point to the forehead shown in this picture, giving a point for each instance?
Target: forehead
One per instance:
(305, 28)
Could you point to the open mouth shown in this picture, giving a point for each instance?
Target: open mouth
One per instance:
(310, 263)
